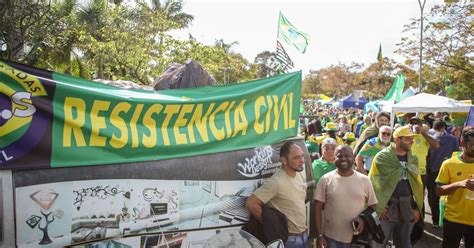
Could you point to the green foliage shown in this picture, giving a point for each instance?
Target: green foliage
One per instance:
(267, 64)
(99, 39)
(448, 43)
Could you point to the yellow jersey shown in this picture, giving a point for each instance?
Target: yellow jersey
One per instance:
(458, 208)
(420, 149)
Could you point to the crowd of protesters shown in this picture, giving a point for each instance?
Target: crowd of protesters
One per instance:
(362, 167)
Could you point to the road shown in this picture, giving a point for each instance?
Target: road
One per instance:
(432, 237)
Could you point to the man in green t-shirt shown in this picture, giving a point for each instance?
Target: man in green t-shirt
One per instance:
(326, 163)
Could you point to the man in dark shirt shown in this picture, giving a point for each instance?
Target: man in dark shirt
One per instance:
(398, 188)
(447, 145)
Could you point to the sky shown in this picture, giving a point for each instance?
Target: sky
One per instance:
(340, 31)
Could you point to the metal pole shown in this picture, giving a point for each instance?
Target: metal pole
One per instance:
(420, 78)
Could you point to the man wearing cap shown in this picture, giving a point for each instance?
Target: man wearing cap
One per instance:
(398, 188)
(331, 129)
(371, 148)
(447, 145)
(381, 119)
(349, 139)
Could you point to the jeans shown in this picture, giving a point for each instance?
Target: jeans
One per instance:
(453, 232)
(297, 241)
(400, 232)
(336, 244)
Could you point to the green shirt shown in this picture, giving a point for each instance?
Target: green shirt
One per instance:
(321, 167)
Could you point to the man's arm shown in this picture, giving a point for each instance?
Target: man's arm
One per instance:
(254, 205)
(360, 164)
(434, 144)
(318, 213)
(450, 188)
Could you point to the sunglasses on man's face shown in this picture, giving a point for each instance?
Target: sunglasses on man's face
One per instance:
(386, 134)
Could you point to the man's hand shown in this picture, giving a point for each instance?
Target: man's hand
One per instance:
(470, 184)
(466, 183)
(384, 215)
(321, 242)
(425, 128)
(416, 217)
(360, 225)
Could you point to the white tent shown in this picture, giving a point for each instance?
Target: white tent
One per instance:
(427, 103)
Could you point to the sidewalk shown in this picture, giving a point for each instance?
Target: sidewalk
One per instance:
(432, 237)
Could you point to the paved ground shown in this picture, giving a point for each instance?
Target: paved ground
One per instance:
(432, 237)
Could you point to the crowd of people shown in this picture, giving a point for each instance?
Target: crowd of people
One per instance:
(371, 180)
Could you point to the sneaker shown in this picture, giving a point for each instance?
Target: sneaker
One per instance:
(435, 226)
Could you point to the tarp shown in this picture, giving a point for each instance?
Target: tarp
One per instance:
(425, 102)
(50, 119)
(350, 102)
(189, 75)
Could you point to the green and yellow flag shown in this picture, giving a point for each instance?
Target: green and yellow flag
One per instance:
(291, 35)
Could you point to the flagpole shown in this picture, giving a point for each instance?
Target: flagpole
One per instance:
(421, 43)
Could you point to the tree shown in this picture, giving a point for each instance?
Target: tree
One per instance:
(267, 64)
(108, 40)
(311, 83)
(338, 80)
(448, 45)
(172, 9)
(29, 28)
(377, 78)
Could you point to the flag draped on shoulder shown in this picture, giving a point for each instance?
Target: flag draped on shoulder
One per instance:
(283, 57)
(291, 35)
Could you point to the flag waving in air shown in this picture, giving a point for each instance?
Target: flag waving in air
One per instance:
(283, 57)
(291, 35)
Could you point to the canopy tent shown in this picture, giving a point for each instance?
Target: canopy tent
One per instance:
(324, 97)
(328, 102)
(373, 106)
(350, 102)
(386, 105)
(424, 102)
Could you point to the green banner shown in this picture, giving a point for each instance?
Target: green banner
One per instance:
(93, 123)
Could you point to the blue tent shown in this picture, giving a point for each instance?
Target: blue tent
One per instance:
(350, 102)
(374, 106)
